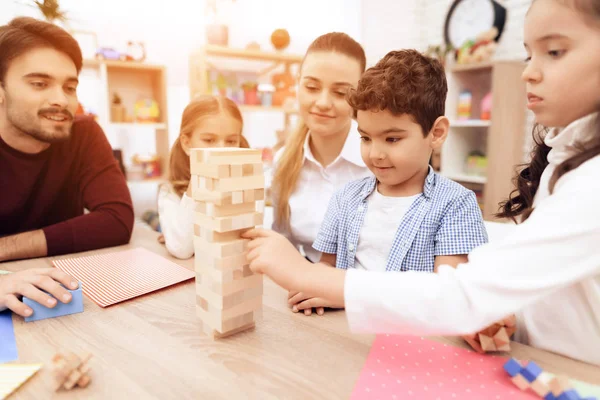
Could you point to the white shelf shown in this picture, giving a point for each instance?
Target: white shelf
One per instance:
(466, 178)
(470, 123)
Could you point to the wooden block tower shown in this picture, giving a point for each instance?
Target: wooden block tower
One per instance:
(228, 187)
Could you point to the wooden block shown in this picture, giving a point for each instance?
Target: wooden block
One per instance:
(214, 236)
(70, 370)
(559, 384)
(501, 339)
(233, 286)
(219, 250)
(490, 331)
(237, 322)
(220, 263)
(210, 170)
(236, 171)
(510, 330)
(207, 183)
(252, 169)
(231, 156)
(487, 343)
(237, 197)
(249, 196)
(212, 299)
(229, 223)
(520, 382)
(213, 334)
(217, 318)
(238, 184)
(215, 210)
(540, 388)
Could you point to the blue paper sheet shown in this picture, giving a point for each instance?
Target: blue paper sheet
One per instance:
(8, 344)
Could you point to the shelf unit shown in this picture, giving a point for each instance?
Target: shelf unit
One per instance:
(132, 81)
(264, 63)
(501, 139)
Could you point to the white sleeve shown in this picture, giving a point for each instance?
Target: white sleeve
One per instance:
(555, 248)
(177, 222)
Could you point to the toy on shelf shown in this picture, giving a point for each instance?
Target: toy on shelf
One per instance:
(70, 370)
(253, 46)
(266, 94)
(440, 52)
(60, 309)
(530, 376)
(486, 107)
(108, 53)
(284, 88)
(477, 163)
(146, 111)
(479, 50)
(136, 51)
(228, 188)
(465, 99)
(117, 110)
(280, 38)
(250, 93)
(148, 164)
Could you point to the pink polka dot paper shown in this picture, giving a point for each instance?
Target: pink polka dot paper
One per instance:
(408, 367)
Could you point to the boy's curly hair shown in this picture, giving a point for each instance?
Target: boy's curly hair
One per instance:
(403, 82)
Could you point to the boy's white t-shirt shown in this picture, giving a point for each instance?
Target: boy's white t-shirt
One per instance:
(378, 231)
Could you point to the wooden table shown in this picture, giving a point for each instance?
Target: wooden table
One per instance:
(152, 348)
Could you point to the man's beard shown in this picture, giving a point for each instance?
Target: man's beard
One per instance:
(32, 125)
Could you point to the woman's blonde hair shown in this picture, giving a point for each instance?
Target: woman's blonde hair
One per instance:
(290, 163)
(201, 106)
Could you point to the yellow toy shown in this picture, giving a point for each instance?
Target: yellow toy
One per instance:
(146, 110)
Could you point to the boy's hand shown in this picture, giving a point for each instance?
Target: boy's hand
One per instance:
(272, 254)
(315, 302)
(294, 298)
(30, 283)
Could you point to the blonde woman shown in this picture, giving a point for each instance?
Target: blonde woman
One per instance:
(323, 153)
(208, 121)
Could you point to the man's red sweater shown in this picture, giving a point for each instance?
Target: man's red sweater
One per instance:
(51, 189)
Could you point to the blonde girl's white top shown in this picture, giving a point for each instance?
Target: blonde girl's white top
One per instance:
(547, 270)
(316, 184)
(176, 216)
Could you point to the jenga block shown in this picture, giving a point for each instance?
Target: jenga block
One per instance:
(236, 285)
(237, 197)
(237, 184)
(222, 249)
(217, 318)
(238, 322)
(236, 171)
(231, 156)
(213, 334)
(210, 170)
(220, 263)
(229, 223)
(213, 236)
(487, 343)
(223, 302)
(213, 210)
(252, 169)
(249, 196)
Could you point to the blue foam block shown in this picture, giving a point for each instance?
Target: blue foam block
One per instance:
(569, 395)
(531, 371)
(513, 367)
(42, 312)
(550, 396)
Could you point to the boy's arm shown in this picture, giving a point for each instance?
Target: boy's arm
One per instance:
(452, 261)
(329, 259)
(461, 231)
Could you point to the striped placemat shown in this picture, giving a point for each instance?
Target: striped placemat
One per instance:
(115, 277)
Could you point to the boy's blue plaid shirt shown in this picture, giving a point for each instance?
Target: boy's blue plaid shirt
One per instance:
(444, 220)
